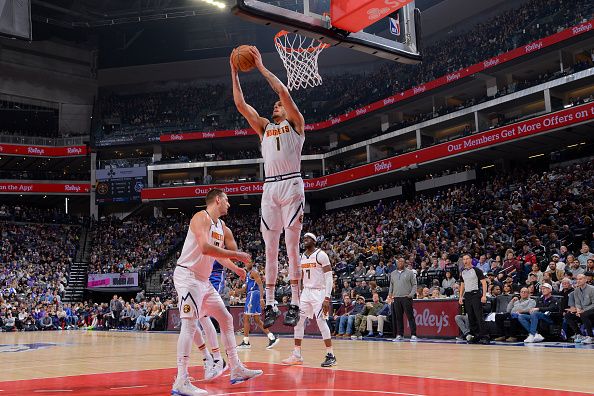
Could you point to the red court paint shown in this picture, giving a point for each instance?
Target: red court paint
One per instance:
(277, 380)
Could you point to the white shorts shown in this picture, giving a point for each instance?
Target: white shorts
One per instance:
(191, 293)
(311, 302)
(282, 204)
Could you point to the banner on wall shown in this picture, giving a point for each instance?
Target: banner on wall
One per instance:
(434, 318)
(44, 188)
(43, 151)
(508, 133)
(112, 280)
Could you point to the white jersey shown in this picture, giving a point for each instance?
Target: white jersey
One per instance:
(192, 258)
(311, 267)
(281, 149)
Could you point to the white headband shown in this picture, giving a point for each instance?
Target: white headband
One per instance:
(310, 235)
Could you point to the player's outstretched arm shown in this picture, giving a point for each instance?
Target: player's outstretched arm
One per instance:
(294, 116)
(257, 123)
(200, 226)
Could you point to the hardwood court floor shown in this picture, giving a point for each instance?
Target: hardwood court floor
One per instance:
(117, 363)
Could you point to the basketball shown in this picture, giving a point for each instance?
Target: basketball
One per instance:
(242, 58)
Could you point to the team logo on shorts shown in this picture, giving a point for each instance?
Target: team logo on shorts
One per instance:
(301, 218)
(187, 308)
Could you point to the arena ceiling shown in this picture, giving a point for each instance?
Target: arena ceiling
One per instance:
(136, 32)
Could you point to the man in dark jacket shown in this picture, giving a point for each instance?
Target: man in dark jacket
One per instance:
(342, 315)
(545, 306)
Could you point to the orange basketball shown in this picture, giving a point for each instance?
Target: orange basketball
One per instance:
(242, 58)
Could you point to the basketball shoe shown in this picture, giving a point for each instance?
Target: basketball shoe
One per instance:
(270, 315)
(241, 374)
(183, 387)
(272, 342)
(215, 369)
(293, 360)
(330, 360)
(292, 316)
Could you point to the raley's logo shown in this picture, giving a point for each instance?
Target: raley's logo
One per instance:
(361, 111)
(74, 150)
(72, 188)
(176, 137)
(582, 29)
(491, 62)
(389, 101)
(208, 135)
(428, 319)
(453, 77)
(277, 131)
(382, 166)
(241, 132)
(1, 149)
(533, 47)
(35, 150)
(419, 89)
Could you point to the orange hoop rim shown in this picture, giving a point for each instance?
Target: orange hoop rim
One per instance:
(315, 48)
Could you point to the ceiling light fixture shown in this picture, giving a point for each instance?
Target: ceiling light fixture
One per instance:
(215, 3)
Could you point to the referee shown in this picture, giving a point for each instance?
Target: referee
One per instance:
(473, 297)
(403, 287)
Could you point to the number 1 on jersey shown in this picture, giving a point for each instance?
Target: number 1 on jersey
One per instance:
(277, 143)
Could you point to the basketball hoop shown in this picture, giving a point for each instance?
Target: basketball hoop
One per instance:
(300, 57)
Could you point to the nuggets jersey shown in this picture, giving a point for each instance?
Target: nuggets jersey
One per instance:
(192, 258)
(311, 267)
(281, 149)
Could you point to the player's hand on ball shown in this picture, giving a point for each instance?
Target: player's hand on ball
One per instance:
(257, 57)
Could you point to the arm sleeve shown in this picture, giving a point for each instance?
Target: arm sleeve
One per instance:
(323, 259)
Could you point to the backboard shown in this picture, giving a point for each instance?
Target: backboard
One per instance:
(393, 35)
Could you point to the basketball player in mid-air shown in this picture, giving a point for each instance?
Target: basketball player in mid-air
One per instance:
(315, 300)
(283, 198)
(197, 297)
(254, 299)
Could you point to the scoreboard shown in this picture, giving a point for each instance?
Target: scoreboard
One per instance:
(120, 185)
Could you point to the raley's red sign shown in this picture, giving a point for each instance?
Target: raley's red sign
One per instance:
(435, 318)
(504, 134)
(44, 188)
(42, 151)
(420, 89)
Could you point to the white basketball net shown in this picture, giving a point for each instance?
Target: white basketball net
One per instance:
(300, 57)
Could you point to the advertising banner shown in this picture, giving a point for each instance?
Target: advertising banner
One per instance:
(43, 151)
(434, 318)
(112, 280)
(517, 131)
(44, 188)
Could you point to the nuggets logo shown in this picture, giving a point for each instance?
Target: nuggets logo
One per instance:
(187, 308)
(102, 188)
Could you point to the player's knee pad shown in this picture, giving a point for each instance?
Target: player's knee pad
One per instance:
(324, 329)
(300, 328)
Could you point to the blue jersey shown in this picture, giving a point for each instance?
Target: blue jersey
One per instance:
(252, 294)
(250, 284)
(217, 276)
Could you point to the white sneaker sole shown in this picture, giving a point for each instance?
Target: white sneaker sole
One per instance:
(276, 341)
